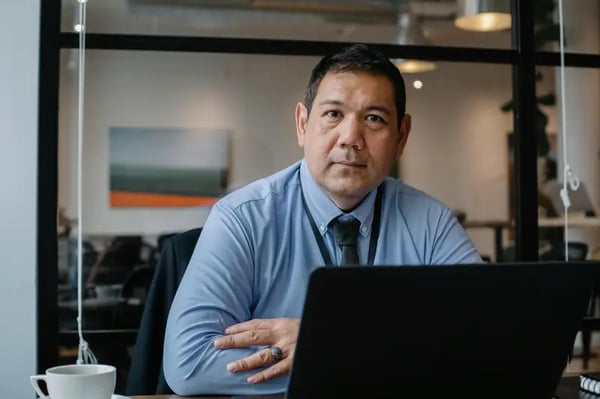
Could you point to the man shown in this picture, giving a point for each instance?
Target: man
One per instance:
(233, 324)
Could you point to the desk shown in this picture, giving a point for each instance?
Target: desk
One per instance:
(279, 396)
(567, 389)
(499, 225)
(99, 313)
(574, 221)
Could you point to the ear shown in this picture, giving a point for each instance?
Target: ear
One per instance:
(301, 120)
(403, 132)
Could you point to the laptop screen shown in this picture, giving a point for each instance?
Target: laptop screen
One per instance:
(580, 199)
(480, 331)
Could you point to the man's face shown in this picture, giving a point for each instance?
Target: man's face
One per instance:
(351, 137)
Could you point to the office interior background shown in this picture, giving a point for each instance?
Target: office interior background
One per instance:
(246, 88)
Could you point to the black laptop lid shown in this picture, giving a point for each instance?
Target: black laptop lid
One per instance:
(464, 331)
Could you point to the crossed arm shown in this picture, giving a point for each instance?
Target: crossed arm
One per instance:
(212, 344)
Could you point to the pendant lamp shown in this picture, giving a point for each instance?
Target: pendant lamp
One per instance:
(483, 15)
(410, 32)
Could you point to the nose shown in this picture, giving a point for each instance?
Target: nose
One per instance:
(351, 133)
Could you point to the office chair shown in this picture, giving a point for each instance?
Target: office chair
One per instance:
(154, 255)
(123, 254)
(576, 251)
(145, 372)
(128, 312)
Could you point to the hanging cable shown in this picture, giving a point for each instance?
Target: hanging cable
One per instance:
(84, 354)
(570, 179)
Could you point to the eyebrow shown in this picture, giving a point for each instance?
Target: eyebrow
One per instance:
(331, 102)
(380, 108)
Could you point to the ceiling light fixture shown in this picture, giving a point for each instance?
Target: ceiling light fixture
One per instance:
(410, 32)
(483, 15)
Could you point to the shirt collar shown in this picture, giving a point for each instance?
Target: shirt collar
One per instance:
(324, 210)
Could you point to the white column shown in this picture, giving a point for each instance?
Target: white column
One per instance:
(19, 43)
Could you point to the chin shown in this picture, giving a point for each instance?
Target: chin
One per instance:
(350, 190)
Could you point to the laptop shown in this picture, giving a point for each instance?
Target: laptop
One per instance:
(459, 331)
(580, 199)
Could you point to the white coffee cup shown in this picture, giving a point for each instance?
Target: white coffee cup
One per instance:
(77, 381)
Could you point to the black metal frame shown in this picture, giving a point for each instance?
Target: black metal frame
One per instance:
(47, 242)
(526, 229)
(523, 57)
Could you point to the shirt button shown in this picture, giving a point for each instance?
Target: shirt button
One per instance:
(322, 228)
(364, 229)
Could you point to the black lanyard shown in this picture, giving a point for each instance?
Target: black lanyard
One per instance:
(374, 227)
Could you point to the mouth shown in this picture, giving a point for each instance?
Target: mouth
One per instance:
(352, 164)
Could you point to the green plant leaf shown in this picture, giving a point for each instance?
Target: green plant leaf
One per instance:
(548, 33)
(547, 99)
(508, 106)
(544, 9)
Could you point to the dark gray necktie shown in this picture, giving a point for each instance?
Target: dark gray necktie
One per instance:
(345, 234)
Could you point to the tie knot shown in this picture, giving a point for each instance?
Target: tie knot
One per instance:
(345, 232)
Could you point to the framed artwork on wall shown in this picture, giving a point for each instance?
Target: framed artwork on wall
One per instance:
(167, 167)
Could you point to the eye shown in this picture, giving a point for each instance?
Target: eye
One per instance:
(375, 118)
(333, 114)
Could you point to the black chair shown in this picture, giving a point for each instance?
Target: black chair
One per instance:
(576, 251)
(154, 255)
(145, 372)
(128, 312)
(122, 255)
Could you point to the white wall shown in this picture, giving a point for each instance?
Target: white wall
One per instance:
(458, 148)
(457, 151)
(253, 97)
(19, 43)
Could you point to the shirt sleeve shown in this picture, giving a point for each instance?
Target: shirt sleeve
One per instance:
(216, 291)
(451, 244)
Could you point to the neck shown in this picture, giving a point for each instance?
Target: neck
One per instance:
(347, 204)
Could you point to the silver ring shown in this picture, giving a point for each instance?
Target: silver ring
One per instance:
(276, 353)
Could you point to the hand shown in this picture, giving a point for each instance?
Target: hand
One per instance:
(282, 333)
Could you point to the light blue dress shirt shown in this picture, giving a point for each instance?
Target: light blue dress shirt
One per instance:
(254, 257)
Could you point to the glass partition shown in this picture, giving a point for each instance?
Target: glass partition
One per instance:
(582, 27)
(380, 21)
(233, 115)
(458, 150)
(578, 148)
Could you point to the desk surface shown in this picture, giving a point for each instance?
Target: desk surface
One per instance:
(279, 396)
(567, 389)
(573, 221)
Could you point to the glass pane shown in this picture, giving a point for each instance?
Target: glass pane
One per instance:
(372, 21)
(232, 113)
(458, 150)
(582, 28)
(578, 147)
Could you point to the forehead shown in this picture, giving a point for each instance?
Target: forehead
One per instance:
(354, 86)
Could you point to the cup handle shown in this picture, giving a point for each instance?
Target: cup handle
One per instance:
(36, 387)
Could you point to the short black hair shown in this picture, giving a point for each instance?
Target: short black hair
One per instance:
(357, 58)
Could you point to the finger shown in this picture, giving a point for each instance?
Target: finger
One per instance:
(258, 359)
(255, 324)
(244, 339)
(277, 369)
